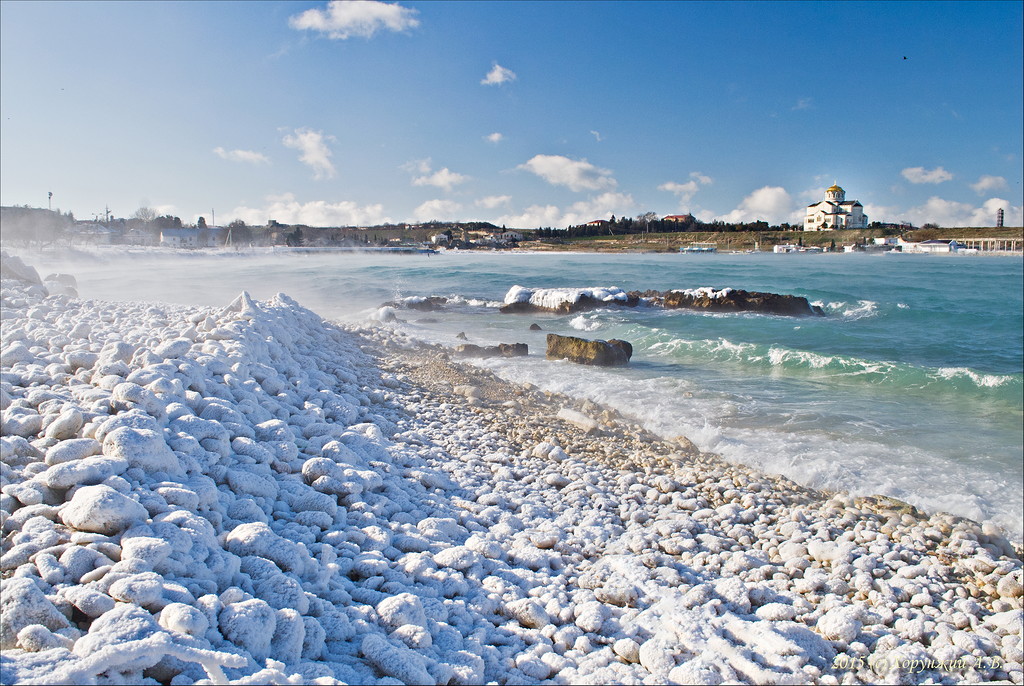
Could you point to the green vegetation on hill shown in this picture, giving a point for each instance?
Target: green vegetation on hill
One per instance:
(757, 240)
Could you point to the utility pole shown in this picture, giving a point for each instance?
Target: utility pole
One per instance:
(49, 201)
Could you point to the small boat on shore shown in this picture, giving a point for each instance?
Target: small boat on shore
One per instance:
(696, 247)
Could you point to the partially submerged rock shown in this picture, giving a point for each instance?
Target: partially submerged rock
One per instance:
(420, 303)
(572, 300)
(582, 351)
(500, 350)
(564, 300)
(733, 300)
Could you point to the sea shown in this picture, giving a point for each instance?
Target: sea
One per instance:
(911, 386)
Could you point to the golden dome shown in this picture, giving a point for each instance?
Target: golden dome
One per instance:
(833, 187)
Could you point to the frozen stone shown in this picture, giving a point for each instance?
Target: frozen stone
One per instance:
(23, 604)
(250, 625)
(142, 448)
(122, 624)
(458, 557)
(776, 612)
(65, 426)
(257, 538)
(395, 661)
(36, 638)
(590, 616)
(87, 471)
(402, 609)
(101, 509)
(91, 602)
(71, 450)
(840, 624)
(628, 649)
(145, 589)
(528, 612)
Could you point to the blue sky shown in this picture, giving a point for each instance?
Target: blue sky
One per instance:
(524, 114)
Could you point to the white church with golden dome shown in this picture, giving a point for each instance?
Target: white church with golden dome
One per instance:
(835, 212)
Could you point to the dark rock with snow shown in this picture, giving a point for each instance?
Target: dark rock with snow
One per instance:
(733, 300)
(521, 300)
(582, 351)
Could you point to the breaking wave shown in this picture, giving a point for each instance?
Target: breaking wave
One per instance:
(839, 368)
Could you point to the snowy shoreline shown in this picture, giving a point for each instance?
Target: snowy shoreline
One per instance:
(250, 493)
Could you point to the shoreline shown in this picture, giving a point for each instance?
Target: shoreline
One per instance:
(412, 251)
(389, 513)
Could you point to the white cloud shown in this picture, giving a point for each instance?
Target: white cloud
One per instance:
(988, 183)
(498, 75)
(248, 156)
(494, 137)
(803, 104)
(437, 209)
(884, 213)
(922, 175)
(346, 18)
(576, 175)
(314, 151)
(443, 178)
(597, 135)
(948, 213)
(685, 191)
(493, 201)
(770, 203)
(601, 207)
(287, 210)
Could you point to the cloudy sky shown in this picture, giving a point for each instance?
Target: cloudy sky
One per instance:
(523, 114)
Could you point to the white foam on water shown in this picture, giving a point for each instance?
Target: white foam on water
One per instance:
(585, 323)
(983, 380)
(862, 310)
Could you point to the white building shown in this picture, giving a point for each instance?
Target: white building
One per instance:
(932, 246)
(180, 238)
(835, 212)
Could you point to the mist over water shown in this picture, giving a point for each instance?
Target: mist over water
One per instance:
(910, 387)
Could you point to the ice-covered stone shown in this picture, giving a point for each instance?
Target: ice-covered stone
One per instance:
(101, 509)
(23, 604)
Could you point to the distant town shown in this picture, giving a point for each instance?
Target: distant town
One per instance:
(833, 224)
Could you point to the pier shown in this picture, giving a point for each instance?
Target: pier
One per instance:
(992, 244)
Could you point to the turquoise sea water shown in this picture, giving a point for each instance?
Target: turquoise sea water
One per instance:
(912, 386)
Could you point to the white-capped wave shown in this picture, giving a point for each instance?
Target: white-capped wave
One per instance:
(584, 323)
(979, 379)
(862, 310)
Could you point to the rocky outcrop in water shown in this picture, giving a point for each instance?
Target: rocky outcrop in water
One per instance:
(733, 300)
(572, 300)
(581, 351)
(582, 304)
(500, 350)
(431, 304)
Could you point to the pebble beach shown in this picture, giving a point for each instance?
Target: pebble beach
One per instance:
(252, 494)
